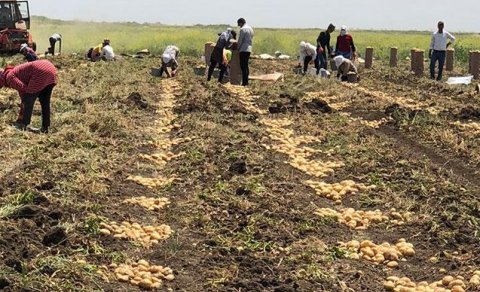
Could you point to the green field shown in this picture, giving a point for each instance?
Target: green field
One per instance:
(130, 37)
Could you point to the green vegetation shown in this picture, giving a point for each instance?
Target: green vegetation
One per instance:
(131, 37)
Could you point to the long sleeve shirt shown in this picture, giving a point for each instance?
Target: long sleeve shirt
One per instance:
(346, 67)
(56, 36)
(345, 44)
(30, 55)
(223, 41)
(308, 50)
(245, 40)
(32, 77)
(323, 41)
(440, 40)
(171, 52)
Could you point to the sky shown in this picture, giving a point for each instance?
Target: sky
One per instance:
(458, 15)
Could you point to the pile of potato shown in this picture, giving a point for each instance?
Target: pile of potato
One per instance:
(475, 280)
(146, 235)
(151, 182)
(152, 204)
(383, 254)
(447, 284)
(161, 159)
(315, 168)
(363, 219)
(373, 124)
(143, 274)
(245, 98)
(472, 127)
(337, 191)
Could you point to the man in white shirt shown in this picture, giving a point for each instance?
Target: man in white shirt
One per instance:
(107, 51)
(56, 37)
(438, 49)
(245, 43)
(308, 53)
(169, 59)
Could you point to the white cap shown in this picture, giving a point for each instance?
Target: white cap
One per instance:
(338, 60)
(303, 44)
(23, 47)
(344, 27)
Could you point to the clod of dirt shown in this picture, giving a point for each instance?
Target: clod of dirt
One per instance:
(292, 99)
(318, 106)
(55, 236)
(469, 113)
(56, 215)
(15, 265)
(4, 283)
(277, 108)
(25, 212)
(137, 99)
(40, 199)
(243, 192)
(46, 186)
(392, 108)
(239, 167)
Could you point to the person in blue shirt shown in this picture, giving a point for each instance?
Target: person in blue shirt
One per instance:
(223, 42)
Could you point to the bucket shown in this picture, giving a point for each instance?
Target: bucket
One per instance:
(199, 71)
(156, 72)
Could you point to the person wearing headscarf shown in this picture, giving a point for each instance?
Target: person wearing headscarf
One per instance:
(223, 42)
(32, 80)
(345, 45)
(169, 60)
(323, 45)
(308, 53)
(107, 53)
(344, 66)
(28, 52)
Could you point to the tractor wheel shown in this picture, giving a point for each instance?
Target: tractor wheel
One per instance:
(34, 46)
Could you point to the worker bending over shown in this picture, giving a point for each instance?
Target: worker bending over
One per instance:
(169, 60)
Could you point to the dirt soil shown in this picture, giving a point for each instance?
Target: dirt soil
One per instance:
(235, 165)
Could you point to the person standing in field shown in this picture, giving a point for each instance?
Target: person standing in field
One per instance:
(28, 52)
(32, 80)
(107, 53)
(345, 45)
(223, 42)
(245, 44)
(308, 53)
(438, 49)
(169, 60)
(323, 44)
(56, 37)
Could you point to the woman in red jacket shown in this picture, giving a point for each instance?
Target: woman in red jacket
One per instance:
(32, 80)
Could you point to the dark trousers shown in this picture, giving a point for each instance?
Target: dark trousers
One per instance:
(244, 58)
(440, 57)
(322, 61)
(51, 50)
(213, 65)
(307, 61)
(29, 101)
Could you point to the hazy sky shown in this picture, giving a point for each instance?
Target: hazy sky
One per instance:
(459, 15)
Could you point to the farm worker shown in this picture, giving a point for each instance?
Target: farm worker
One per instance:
(32, 80)
(223, 42)
(28, 52)
(308, 53)
(107, 53)
(169, 59)
(323, 44)
(345, 45)
(344, 66)
(245, 44)
(438, 48)
(94, 54)
(56, 37)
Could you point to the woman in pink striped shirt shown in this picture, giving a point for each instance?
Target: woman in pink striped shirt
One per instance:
(31, 80)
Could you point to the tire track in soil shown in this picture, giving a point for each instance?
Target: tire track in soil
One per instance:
(463, 173)
(299, 159)
(143, 273)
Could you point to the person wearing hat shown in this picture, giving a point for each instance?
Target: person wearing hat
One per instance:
(169, 59)
(223, 42)
(32, 80)
(56, 37)
(28, 52)
(245, 45)
(441, 40)
(323, 44)
(107, 53)
(308, 53)
(345, 45)
(344, 66)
